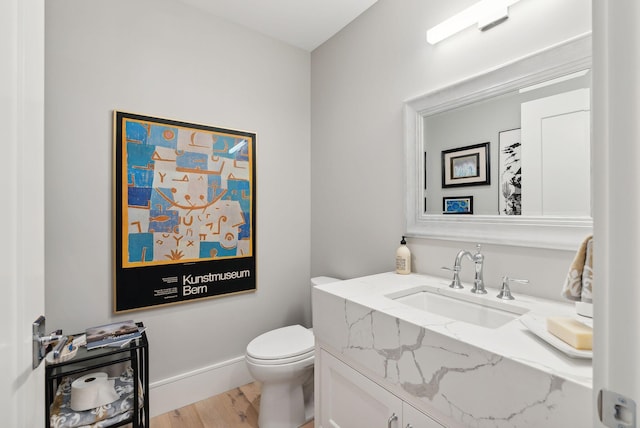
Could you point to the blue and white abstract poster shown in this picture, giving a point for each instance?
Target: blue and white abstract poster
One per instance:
(185, 211)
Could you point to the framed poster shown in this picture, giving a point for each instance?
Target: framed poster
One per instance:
(185, 211)
(466, 166)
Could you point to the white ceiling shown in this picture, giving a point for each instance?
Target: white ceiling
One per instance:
(302, 23)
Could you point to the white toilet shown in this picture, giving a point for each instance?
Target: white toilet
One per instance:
(282, 359)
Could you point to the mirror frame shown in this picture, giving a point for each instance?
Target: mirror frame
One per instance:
(564, 233)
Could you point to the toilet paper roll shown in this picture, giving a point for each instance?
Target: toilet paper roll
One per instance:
(92, 390)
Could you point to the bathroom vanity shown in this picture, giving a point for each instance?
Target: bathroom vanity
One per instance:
(409, 351)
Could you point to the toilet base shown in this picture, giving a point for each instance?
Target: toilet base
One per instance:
(281, 406)
(286, 402)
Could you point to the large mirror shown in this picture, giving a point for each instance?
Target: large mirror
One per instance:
(504, 157)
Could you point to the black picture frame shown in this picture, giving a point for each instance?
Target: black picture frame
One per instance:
(466, 166)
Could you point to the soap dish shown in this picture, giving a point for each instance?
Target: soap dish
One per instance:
(537, 324)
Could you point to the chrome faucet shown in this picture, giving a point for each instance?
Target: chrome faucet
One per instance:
(478, 260)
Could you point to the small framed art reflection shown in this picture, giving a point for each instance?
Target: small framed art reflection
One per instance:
(457, 205)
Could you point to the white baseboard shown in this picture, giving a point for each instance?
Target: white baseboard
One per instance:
(187, 388)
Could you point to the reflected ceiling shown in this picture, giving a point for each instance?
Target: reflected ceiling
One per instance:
(302, 23)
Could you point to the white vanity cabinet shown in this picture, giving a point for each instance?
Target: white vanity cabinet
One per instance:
(348, 399)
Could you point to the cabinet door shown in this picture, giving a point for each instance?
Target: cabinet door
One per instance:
(350, 400)
(414, 418)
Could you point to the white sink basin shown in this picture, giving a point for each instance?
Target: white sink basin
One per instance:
(472, 309)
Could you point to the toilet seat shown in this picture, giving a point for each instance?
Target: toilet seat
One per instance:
(299, 360)
(283, 345)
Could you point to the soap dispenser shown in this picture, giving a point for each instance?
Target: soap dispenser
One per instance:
(403, 258)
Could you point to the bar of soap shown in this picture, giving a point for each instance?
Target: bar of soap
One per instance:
(571, 331)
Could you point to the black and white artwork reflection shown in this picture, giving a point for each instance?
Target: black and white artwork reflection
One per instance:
(510, 190)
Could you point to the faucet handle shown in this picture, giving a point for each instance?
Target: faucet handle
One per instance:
(505, 291)
(455, 282)
(478, 247)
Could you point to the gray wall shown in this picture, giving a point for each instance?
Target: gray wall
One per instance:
(360, 79)
(161, 58)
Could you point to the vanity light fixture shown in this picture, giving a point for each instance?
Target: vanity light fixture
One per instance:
(486, 14)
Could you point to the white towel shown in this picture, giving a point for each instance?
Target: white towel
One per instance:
(578, 285)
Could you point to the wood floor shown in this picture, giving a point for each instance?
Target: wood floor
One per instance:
(237, 408)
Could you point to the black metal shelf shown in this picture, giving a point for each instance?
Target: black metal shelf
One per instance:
(136, 351)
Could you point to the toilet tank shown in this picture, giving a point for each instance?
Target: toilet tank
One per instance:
(319, 280)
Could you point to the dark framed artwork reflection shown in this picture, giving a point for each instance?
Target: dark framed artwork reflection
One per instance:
(466, 166)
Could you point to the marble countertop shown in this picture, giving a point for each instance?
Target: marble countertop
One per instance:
(512, 340)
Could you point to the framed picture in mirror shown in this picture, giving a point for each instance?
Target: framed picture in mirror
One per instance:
(510, 172)
(466, 166)
(457, 205)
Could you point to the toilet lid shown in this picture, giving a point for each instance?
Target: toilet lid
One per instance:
(283, 342)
